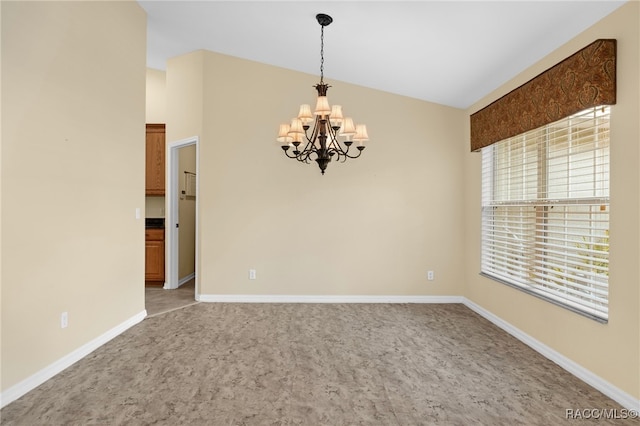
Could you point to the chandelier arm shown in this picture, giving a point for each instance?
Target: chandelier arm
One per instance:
(308, 147)
(356, 156)
(305, 155)
(337, 146)
(306, 136)
(300, 156)
(345, 152)
(290, 156)
(308, 150)
(328, 135)
(315, 134)
(342, 155)
(333, 140)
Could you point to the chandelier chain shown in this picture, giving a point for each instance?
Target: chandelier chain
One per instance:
(321, 54)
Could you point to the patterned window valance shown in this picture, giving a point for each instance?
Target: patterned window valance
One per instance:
(583, 80)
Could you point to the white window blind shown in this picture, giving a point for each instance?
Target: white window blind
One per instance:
(545, 212)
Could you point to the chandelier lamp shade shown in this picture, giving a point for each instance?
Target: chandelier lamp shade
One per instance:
(332, 134)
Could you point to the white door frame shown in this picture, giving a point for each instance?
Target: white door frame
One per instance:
(171, 206)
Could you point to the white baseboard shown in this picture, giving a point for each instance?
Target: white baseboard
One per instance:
(186, 279)
(32, 382)
(180, 281)
(284, 298)
(618, 395)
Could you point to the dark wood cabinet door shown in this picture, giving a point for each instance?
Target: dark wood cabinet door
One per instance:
(154, 261)
(155, 159)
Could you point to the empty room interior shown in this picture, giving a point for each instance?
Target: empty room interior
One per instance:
(477, 263)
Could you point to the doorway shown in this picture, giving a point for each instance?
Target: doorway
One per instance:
(181, 222)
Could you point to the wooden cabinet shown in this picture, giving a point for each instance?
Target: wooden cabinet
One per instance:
(154, 257)
(155, 153)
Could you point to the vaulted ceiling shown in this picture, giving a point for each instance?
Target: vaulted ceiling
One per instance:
(449, 52)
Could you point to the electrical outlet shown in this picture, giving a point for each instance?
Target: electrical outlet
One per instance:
(430, 275)
(64, 320)
(252, 274)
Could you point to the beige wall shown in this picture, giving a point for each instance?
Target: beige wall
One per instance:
(612, 351)
(156, 99)
(72, 176)
(154, 206)
(184, 92)
(1, 221)
(187, 218)
(156, 112)
(371, 226)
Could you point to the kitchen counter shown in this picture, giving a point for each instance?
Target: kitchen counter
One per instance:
(154, 223)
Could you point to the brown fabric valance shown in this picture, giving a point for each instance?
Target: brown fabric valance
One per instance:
(583, 80)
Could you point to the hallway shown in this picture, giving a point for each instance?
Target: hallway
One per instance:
(159, 301)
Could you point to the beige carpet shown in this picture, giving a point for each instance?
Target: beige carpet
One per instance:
(310, 364)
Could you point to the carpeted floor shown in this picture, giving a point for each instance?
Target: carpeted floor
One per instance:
(311, 364)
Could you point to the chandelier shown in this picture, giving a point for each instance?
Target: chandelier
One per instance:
(321, 144)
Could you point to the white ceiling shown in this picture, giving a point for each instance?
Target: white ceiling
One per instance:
(449, 52)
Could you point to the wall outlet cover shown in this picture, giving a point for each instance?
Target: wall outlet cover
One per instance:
(64, 320)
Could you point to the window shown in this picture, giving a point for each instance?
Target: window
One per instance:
(545, 212)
